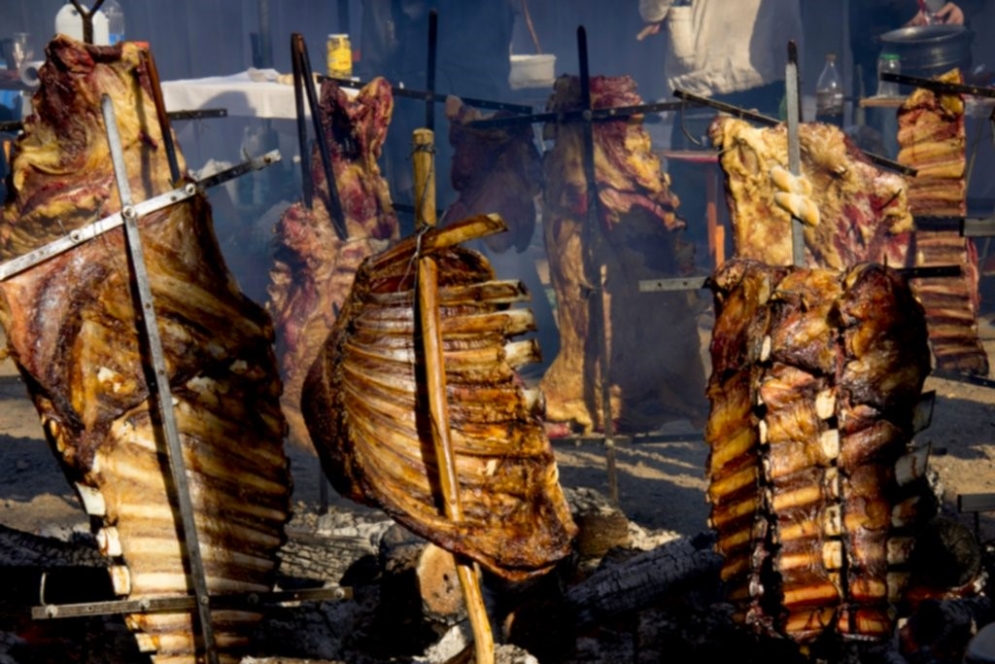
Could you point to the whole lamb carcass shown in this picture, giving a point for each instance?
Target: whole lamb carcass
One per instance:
(72, 328)
(313, 269)
(655, 367)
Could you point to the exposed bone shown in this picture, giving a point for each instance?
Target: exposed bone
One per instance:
(912, 466)
(829, 442)
(109, 541)
(832, 521)
(832, 555)
(825, 403)
(93, 500)
(120, 579)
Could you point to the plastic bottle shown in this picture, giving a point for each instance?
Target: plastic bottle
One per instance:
(829, 94)
(115, 21)
(891, 63)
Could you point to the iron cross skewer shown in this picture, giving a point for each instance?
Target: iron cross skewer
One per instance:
(161, 387)
(596, 272)
(939, 86)
(300, 54)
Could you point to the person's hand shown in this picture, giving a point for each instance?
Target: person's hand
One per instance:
(949, 14)
(650, 29)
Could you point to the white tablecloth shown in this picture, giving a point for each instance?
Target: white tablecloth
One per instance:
(253, 93)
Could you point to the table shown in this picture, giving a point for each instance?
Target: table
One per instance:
(254, 93)
(709, 160)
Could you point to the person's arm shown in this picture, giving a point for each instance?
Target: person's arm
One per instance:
(653, 12)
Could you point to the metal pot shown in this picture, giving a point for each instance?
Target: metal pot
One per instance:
(929, 50)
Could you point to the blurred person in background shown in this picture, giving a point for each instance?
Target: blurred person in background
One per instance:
(734, 51)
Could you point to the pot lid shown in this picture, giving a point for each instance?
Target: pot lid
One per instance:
(918, 34)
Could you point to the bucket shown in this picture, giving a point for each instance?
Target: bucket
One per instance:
(532, 71)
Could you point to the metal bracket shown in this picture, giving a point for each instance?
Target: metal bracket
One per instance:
(199, 114)
(694, 283)
(966, 226)
(174, 604)
(101, 226)
(938, 86)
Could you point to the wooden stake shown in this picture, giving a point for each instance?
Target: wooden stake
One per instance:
(435, 379)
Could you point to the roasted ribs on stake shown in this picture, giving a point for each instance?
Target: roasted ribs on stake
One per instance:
(313, 269)
(365, 406)
(73, 331)
(932, 139)
(655, 370)
(816, 375)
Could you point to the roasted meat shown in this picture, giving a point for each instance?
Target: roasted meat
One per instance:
(495, 171)
(863, 211)
(816, 377)
(313, 269)
(931, 139)
(72, 328)
(364, 404)
(655, 368)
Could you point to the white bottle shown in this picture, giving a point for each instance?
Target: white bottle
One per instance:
(115, 21)
(69, 22)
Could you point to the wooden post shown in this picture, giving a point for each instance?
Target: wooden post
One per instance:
(435, 379)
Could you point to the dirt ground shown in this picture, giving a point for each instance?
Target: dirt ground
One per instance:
(661, 485)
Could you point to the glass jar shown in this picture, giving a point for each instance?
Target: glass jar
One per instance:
(892, 64)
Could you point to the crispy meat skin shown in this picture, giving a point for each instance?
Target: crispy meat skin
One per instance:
(496, 171)
(365, 412)
(71, 327)
(313, 270)
(932, 139)
(816, 374)
(655, 367)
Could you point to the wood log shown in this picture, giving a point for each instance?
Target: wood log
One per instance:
(418, 580)
(642, 580)
(940, 630)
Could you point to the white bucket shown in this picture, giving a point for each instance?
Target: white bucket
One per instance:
(532, 71)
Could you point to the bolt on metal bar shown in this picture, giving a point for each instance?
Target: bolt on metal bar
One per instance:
(173, 604)
(160, 377)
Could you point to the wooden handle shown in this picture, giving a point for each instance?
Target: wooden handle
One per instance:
(423, 160)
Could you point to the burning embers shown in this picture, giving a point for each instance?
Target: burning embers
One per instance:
(816, 378)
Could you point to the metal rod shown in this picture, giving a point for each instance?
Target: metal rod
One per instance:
(101, 226)
(595, 272)
(938, 86)
(196, 114)
(597, 115)
(160, 377)
(423, 95)
(173, 604)
(87, 16)
(160, 110)
(334, 201)
(744, 114)
(307, 184)
(793, 102)
(433, 51)
(694, 283)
